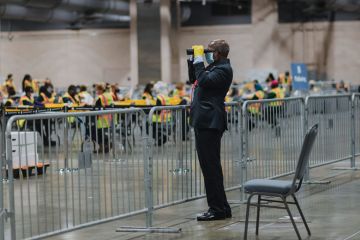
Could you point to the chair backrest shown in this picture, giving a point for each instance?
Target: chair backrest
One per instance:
(304, 157)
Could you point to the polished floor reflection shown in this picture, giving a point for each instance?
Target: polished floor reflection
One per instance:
(332, 211)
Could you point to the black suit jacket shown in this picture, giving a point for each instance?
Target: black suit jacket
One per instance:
(213, 82)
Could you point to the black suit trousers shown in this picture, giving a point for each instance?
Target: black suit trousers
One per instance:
(208, 145)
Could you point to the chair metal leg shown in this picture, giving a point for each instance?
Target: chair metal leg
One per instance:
(258, 215)
(291, 218)
(301, 214)
(247, 216)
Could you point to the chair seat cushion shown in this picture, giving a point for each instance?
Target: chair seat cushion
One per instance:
(268, 186)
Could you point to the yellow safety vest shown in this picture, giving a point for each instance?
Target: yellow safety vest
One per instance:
(104, 121)
(22, 100)
(46, 99)
(279, 95)
(10, 101)
(164, 115)
(255, 107)
(74, 99)
(25, 98)
(147, 96)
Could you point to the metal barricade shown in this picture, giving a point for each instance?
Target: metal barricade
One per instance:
(355, 132)
(74, 169)
(272, 136)
(333, 114)
(2, 163)
(176, 172)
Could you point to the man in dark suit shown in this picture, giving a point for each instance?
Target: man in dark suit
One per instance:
(208, 117)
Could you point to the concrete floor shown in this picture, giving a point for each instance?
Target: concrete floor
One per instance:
(332, 211)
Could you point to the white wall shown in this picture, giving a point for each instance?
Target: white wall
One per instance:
(265, 45)
(67, 57)
(86, 57)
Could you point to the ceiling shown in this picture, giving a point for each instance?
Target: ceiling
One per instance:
(20, 15)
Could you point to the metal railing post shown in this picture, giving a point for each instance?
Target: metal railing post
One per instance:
(2, 152)
(148, 166)
(352, 131)
(9, 161)
(244, 150)
(306, 125)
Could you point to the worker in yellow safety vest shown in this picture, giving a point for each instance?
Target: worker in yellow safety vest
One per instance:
(10, 102)
(164, 115)
(148, 93)
(255, 108)
(26, 100)
(160, 118)
(179, 90)
(98, 133)
(104, 99)
(47, 94)
(275, 93)
(9, 82)
(275, 107)
(70, 97)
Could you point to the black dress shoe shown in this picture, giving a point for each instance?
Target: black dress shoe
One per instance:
(228, 214)
(211, 216)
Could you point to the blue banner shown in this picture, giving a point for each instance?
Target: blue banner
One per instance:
(299, 76)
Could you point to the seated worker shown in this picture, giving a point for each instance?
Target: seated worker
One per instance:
(115, 93)
(101, 123)
(85, 97)
(46, 94)
(161, 119)
(104, 99)
(148, 92)
(26, 82)
(29, 82)
(28, 98)
(70, 96)
(255, 108)
(11, 101)
(275, 107)
(9, 82)
(179, 90)
(28, 101)
(275, 91)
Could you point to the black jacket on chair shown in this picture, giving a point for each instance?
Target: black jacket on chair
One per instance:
(213, 82)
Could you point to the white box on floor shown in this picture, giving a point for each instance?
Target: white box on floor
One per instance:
(21, 138)
(24, 160)
(24, 149)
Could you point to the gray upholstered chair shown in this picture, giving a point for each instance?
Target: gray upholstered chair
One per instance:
(280, 188)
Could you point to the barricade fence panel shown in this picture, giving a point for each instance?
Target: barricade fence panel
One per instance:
(273, 132)
(231, 147)
(177, 173)
(333, 113)
(73, 169)
(67, 170)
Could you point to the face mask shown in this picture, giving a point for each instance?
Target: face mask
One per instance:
(209, 57)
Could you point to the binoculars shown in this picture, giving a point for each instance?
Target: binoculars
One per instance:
(190, 51)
